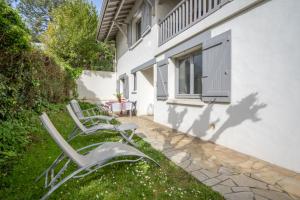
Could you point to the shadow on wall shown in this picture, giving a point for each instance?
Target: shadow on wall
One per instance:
(85, 93)
(246, 109)
(175, 118)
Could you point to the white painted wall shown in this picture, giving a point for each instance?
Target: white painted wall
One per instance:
(129, 59)
(263, 118)
(95, 86)
(145, 94)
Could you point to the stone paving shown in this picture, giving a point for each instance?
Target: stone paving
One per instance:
(236, 176)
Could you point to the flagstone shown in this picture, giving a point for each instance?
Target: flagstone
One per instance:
(199, 175)
(239, 196)
(274, 195)
(233, 174)
(241, 189)
(223, 189)
(228, 182)
(211, 181)
(243, 180)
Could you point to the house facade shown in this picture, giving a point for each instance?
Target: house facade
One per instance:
(226, 71)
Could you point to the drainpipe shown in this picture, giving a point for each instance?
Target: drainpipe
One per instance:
(115, 59)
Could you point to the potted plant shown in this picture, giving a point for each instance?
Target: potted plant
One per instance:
(119, 97)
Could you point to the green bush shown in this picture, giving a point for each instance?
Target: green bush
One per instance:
(29, 82)
(28, 77)
(13, 138)
(14, 37)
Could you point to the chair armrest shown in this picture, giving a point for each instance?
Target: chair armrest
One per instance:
(89, 146)
(108, 118)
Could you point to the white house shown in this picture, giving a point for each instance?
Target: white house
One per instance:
(227, 71)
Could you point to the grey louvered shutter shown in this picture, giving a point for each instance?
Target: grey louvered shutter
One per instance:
(126, 87)
(216, 80)
(162, 82)
(129, 33)
(146, 16)
(118, 86)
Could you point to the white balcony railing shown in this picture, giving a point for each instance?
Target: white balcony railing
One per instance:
(186, 14)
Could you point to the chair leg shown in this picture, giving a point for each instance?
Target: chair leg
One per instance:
(73, 134)
(57, 160)
(55, 187)
(127, 139)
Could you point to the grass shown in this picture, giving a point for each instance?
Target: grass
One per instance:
(140, 180)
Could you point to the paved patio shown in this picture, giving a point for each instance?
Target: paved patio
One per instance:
(236, 176)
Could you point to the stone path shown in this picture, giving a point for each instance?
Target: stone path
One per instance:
(236, 176)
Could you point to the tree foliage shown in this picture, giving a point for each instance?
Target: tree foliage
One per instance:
(28, 77)
(71, 37)
(14, 37)
(36, 14)
(29, 81)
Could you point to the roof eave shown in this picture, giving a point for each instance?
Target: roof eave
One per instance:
(104, 5)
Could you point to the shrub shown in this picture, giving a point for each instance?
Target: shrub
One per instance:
(29, 81)
(13, 139)
(14, 136)
(14, 37)
(28, 77)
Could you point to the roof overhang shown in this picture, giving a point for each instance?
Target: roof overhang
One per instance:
(112, 15)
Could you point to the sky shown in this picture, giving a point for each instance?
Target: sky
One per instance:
(98, 4)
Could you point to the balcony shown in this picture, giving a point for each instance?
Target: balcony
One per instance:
(186, 14)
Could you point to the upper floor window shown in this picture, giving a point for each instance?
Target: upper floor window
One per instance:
(138, 29)
(139, 24)
(188, 75)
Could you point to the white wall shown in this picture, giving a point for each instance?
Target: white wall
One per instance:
(95, 86)
(263, 117)
(129, 59)
(145, 94)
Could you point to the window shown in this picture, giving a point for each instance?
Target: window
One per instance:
(138, 29)
(204, 73)
(189, 76)
(134, 82)
(140, 24)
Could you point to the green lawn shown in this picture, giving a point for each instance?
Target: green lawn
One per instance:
(140, 180)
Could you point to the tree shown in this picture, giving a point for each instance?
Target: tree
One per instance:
(71, 36)
(36, 14)
(28, 77)
(14, 36)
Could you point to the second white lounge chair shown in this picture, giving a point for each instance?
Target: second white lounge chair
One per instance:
(81, 129)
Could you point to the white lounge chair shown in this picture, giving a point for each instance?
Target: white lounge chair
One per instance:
(87, 162)
(81, 129)
(91, 114)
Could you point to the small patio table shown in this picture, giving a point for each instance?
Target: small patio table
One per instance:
(116, 106)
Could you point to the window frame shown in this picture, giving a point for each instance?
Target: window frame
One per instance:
(190, 56)
(134, 82)
(138, 18)
(138, 29)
